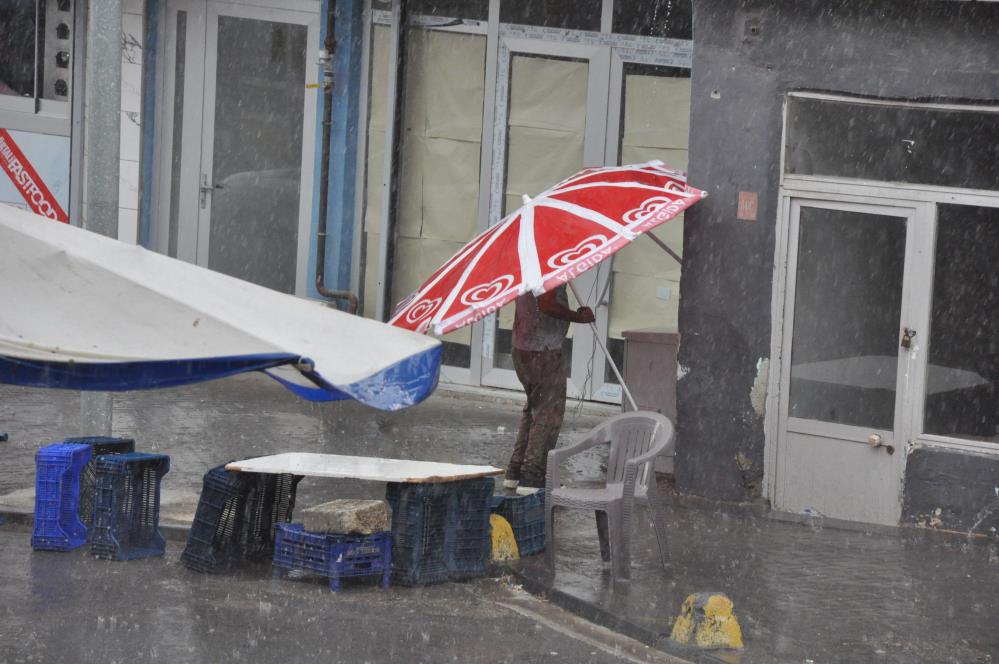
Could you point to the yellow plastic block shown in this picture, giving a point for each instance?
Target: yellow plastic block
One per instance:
(504, 543)
(706, 621)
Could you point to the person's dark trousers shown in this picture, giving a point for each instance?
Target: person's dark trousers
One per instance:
(542, 373)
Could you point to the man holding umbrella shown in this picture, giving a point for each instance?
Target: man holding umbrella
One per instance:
(539, 327)
(530, 256)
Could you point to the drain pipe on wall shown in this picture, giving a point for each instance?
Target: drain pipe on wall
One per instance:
(326, 61)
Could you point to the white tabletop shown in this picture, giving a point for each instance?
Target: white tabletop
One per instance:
(361, 468)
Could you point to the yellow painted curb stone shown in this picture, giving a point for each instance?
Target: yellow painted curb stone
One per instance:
(504, 543)
(706, 621)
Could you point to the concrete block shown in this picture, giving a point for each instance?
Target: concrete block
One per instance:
(360, 517)
(706, 621)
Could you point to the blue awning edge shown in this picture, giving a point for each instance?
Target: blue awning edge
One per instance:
(135, 375)
(403, 384)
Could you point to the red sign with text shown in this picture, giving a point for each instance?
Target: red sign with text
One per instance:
(27, 181)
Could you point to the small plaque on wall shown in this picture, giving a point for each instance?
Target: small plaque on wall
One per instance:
(748, 205)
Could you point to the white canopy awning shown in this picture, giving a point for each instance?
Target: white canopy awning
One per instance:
(85, 312)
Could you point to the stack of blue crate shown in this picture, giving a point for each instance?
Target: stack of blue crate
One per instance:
(100, 446)
(66, 475)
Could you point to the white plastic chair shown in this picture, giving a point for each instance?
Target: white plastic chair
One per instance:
(636, 440)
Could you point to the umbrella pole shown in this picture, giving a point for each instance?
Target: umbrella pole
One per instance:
(665, 247)
(610, 360)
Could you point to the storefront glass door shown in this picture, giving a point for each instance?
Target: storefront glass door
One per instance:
(886, 339)
(238, 155)
(648, 118)
(849, 357)
(552, 101)
(491, 101)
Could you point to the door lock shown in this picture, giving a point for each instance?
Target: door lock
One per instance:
(875, 441)
(907, 336)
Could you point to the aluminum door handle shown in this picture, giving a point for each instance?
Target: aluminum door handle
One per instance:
(205, 188)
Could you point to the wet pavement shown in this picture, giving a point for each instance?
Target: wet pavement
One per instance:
(71, 608)
(204, 425)
(804, 591)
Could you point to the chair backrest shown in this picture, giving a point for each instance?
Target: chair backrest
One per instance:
(634, 434)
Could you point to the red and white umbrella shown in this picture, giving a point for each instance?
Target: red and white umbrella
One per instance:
(553, 238)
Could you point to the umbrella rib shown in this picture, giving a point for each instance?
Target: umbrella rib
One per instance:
(527, 247)
(618, 185)
(503, 226)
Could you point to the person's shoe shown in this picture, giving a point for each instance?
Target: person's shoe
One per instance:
(510, 484)
(527, 490)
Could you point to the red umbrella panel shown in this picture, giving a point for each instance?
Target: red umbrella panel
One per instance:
(554, 237)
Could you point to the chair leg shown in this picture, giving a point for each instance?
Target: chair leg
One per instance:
(624, 567)
(620, 531)
(550, 537)
(655, 506)
(605, 549)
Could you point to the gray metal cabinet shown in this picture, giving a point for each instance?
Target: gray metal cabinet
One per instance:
(650, 372)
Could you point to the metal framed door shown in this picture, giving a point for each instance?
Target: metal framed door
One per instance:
(642, 124)
(237, 166)
(182, 74)
(855, 272)
(551, 101)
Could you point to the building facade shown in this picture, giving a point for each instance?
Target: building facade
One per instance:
(444, 114)
(838, 350)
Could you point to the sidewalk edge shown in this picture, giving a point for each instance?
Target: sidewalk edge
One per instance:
(599, 616)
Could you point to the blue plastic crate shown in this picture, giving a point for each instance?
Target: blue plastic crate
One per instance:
(420, 518)
(100, 445)
(333, 556)
(471, 541)
(526, 515)
(127, 506)
(440, 530)
(57, 525)
(235, 519)
(213, 544)
(270, 501)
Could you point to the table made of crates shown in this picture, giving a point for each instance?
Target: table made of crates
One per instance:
(440, 511)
